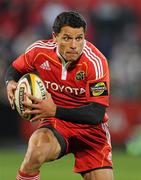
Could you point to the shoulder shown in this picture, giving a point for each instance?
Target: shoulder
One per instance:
(96, 61)
(41, 44)
(91, 51)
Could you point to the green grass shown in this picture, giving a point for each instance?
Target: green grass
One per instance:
(126, 167)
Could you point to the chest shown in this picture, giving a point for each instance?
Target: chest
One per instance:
(57, 77)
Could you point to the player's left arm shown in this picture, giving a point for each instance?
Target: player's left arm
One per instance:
(91, 113)
(97, 93)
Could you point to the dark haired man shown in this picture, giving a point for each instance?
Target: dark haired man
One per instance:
(73, 119)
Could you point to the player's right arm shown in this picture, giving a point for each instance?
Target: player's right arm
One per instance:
(11, 87)
(17, 68)
(11, 78)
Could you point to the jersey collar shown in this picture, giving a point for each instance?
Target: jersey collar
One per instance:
(64, 62)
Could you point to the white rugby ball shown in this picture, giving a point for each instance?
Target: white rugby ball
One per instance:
(32, 84)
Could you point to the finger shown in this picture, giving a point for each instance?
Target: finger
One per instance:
(33, 98)
(30, 105)
(12, 104)
(34, 111)
(11, 99)
(48, 94)
(36, 118)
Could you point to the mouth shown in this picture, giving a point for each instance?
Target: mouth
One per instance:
(72, 52)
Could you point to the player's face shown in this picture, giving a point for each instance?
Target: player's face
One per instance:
(70, 42)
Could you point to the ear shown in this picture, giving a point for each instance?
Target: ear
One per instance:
(54, 37)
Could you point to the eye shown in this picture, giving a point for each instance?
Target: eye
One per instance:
(66, 38)
(79, 38)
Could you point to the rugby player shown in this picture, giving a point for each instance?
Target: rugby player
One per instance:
(73, 118)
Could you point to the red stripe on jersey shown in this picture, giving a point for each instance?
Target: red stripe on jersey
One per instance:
(95, 60)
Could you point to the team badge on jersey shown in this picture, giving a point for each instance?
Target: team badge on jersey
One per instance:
(80, 75)
(98, 89)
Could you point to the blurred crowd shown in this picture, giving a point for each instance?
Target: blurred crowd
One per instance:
(114, 26)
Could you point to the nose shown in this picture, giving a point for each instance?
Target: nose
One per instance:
(73, 44)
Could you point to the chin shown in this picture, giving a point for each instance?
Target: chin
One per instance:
(72, 59)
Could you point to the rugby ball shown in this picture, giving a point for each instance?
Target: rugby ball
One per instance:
(32, 84)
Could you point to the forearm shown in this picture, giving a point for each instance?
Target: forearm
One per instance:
(90, 114)
(12, 74)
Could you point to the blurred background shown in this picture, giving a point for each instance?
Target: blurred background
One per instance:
(114, 26)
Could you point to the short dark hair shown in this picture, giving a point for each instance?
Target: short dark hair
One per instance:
(69, 18)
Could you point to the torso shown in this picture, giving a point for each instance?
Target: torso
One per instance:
(69, 88)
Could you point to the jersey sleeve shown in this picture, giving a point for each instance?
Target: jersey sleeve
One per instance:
(25, 62)
(98, 83)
